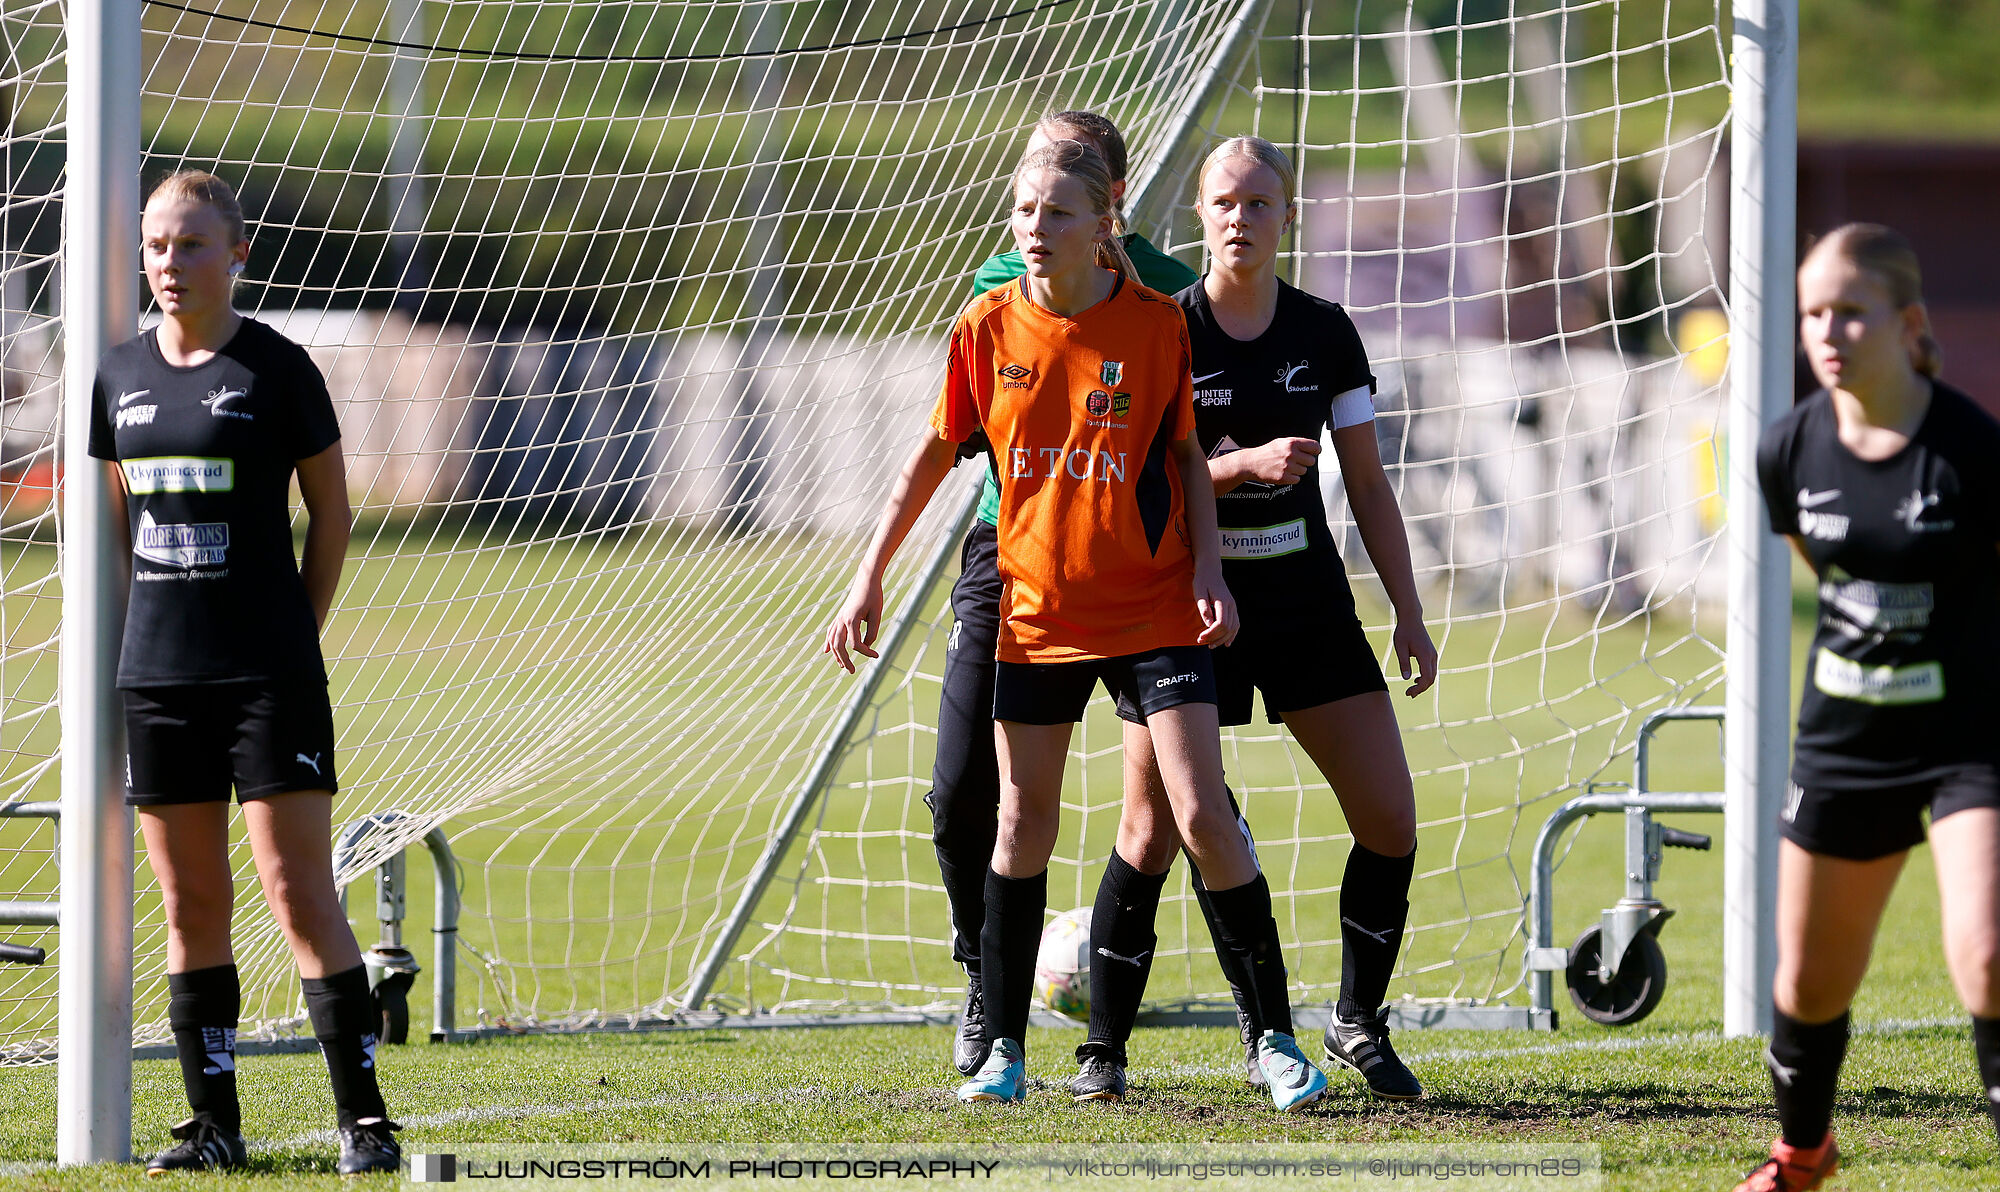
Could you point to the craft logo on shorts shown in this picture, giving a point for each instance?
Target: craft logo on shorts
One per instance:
(1098, 404)
(179, 474)
(1112, 373)
(182, 544)
(1015, 376)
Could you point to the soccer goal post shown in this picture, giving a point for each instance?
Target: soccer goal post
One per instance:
(630, 313)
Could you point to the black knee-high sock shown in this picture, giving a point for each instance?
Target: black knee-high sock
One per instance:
(965, 895)
(202, 1008)
(1007, 944)
(1986, 1048)
(344, 1021)
(1251, 934)
(1805, 1067)
(1121, 954)
(1374, 906)
(1239, 986)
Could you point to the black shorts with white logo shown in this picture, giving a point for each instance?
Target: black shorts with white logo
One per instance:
(1868, 822)
(1058, 692)
(191, 744)
(1298, 659)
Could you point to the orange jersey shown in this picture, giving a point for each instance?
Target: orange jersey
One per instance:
(1093, 537)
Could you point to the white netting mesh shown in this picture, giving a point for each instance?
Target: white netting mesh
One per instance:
(632, 310)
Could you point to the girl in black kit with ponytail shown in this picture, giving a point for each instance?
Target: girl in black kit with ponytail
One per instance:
(1884, 480)
(204, 421)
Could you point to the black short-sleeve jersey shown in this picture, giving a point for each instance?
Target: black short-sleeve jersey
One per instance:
(208, 454)
(1276, 545)
(1905, 663)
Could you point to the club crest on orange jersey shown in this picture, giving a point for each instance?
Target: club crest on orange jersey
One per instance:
(1015, 376)
(1098, 404)
(1112, 373)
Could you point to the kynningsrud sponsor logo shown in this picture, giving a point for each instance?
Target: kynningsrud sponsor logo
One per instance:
(182, 544)
(1844, 678)
(179, 474)
(1264, 542)
(134, 416)
(1015, 376)
(1288, 376)
(216, 399)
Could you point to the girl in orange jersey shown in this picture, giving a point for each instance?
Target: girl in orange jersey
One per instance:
(1111, 561)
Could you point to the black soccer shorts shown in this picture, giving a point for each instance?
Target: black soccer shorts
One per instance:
(1864, 823)
(1058, 692)
(1298, 658)
(190, 744)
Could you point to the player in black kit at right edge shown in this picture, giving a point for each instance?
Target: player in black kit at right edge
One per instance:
(1885, 482)
(205, 420)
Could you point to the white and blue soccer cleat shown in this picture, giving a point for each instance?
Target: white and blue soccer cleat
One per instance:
(1293, 1081)
(1004, 1075)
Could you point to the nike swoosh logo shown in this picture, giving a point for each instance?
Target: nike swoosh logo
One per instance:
(135, 395)
(1812, 500)
(1210, 376)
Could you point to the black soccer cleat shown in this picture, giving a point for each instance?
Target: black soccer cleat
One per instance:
(968, 1046)
(1253, 1072)
(1362, 1043)
(1100, 1079)
(201, 1146)
(369, 1147)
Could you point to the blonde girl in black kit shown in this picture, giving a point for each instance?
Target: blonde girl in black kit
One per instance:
(1884, 483)
(204, 421)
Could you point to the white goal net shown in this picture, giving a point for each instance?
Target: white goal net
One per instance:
(631, 312)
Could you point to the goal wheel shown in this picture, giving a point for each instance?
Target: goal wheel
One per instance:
(1631, 994)
(393, 1002)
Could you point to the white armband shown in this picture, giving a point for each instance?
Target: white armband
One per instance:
(1352, 408)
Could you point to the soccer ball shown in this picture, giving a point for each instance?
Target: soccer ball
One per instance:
(1062, 965)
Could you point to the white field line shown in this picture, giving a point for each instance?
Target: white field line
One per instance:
(487, 1113)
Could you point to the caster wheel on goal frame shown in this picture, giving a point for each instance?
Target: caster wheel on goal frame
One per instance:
(1631, 994)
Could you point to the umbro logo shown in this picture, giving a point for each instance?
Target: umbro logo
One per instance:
(1015, 376)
